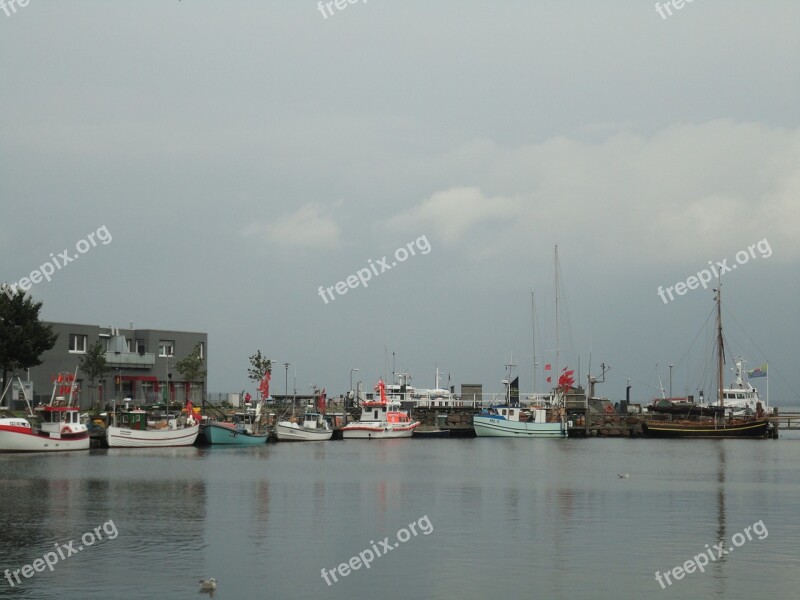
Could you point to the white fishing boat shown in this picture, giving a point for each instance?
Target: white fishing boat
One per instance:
(511, 421)
(313, 428)
(138, 429)
(60, 428)
(741, 397)
(380, 419)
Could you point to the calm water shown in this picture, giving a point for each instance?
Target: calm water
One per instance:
(509, 519)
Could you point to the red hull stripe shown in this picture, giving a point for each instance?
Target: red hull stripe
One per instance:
(364, 428)
(65, 437)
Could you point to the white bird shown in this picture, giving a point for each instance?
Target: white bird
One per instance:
(208, 585)
(623, 475)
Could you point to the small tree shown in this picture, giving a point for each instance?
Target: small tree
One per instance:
(94, 367)
(23, 337)
(260, 366)
(191, 368)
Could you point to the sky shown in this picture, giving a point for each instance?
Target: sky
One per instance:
(234, 160)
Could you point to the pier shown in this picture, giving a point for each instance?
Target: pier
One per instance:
(593, 419)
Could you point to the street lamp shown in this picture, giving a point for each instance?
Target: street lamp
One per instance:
(351, 389)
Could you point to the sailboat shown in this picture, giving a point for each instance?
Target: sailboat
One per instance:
(718, 426)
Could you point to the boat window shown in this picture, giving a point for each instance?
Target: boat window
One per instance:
(504, 411)
(376, 414)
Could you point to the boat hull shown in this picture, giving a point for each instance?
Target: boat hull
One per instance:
(122, 437)
(227, 436)
(748, 430)
(366, 432)
(431, 433)
(290, 432)
(15, 441)
(493, 427)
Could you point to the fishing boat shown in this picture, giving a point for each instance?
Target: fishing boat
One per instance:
(243, 430)
(511, 420)
(139, 428)
(380, 419)
(313, 428)
(741, 398)
(60, 428)
(718, 426)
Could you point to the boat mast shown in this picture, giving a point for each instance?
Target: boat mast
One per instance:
(558, 342)
(720, 348)
(533, 343)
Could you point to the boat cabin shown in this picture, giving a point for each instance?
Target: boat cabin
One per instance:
(384, 412)
(133, 419)
(515, 413)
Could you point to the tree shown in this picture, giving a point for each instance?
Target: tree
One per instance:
(94, 367)
(260, 366)
(23, 337)
(191, 368)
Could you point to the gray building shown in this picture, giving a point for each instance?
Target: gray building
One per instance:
(141, 363)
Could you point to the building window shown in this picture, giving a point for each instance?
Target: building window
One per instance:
(202, 350)
(166, 348)
(77, 343)
(140, 346)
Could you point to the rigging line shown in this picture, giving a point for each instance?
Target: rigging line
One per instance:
(764, 354)
(703, 327)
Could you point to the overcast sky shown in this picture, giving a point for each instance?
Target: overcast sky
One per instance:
(243, 154)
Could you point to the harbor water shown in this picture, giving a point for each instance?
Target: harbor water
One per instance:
(465, 519)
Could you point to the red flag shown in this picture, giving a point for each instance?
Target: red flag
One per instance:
(321, 401)
(264, 387)
(566, 381)
(382, 389)
(549, 380)
(547, 367)
(247, 398)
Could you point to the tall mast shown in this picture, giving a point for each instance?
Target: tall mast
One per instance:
(533, 342)
(720, 348)
(558, 345)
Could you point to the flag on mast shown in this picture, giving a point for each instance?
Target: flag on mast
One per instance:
(264, 387)
(758, 372)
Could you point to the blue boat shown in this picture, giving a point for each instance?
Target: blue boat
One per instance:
(244, 430)
(231, 434)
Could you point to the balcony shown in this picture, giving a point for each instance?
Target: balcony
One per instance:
(130, 360)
